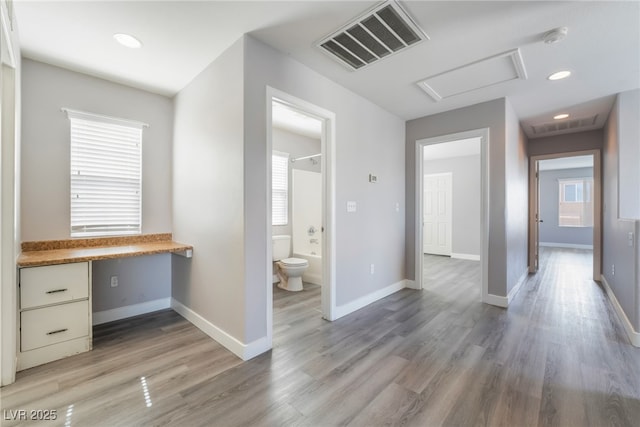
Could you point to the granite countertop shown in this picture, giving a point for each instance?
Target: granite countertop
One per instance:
(78, 250)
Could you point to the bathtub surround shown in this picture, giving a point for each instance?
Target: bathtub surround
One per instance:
(306, 222)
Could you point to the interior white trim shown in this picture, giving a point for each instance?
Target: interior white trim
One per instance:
(497, 300)
(634, 336)
(514, 291)
(483, 134)
(470, 257)
(100, 317)
(411, 284)
(243, 351)
(343, 310)
(564, 245)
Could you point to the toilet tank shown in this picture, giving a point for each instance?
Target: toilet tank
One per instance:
(281, 247)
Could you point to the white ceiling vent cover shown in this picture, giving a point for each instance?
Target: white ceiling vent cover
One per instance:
(379, 33)
(564, 126)
(486, 72)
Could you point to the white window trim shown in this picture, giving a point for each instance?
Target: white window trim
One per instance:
(106, 225)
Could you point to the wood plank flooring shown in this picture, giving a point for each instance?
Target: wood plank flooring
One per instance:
(557, 357)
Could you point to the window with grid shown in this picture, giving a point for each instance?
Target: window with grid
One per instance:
(575, 206)
(106, 175)
(279, 188)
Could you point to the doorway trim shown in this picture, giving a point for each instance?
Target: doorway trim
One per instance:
(483, 134)
(597, 206)
(328, 289)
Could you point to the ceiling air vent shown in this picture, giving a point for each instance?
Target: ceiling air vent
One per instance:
(564, 126)
(381, 32)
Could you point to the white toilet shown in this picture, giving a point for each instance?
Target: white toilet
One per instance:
(288, 270)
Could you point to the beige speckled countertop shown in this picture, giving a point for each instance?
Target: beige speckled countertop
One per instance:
(78, 250)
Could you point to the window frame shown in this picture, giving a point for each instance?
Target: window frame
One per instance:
(109, 151)
(584, 201)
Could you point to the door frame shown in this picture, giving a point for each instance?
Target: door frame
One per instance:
(450, 203)
(597, 206)
(483, 134)
(328, 289)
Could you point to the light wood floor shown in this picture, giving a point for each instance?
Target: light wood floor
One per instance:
(557, 357)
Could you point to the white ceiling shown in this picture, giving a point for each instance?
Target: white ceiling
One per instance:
(292, 120)
(566, 163)
(181, 38)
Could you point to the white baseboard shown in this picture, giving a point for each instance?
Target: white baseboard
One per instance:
(496, 300)
(564, 245)
(411, 284)
(343, 310)
(243, 351)
(106, 316)
(633, 335)
(516, 288)
(470, 257)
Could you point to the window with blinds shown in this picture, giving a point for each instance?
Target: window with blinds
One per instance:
(106, 175)
(279, 188)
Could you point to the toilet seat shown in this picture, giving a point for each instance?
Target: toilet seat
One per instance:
(294, 262)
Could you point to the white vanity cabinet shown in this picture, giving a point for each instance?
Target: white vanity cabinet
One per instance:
(55, 312)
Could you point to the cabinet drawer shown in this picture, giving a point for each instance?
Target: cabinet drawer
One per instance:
(52, 284)
(51, 325)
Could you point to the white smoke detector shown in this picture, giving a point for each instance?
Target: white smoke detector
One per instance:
(555, 35)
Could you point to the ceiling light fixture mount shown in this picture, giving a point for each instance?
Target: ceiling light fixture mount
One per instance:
(561, 116)
(555, 35)
(128, 40)
(559, 75)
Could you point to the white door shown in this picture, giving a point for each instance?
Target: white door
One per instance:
(436, 222)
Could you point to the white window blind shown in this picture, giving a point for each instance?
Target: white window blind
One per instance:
(575, 206)
(106, 175)
(279, 188)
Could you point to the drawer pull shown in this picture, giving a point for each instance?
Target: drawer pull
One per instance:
(55, 291)
(57, 331)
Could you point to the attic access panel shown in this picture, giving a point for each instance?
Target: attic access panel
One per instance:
(379, 33)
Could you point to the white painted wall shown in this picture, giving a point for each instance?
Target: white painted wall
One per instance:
(629, 154)
(625, 283)
(368, 140)
(45, 146)
(208, 195)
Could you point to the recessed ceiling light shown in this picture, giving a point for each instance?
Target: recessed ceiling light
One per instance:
(561, 116)
(559, 75)
(127, 40)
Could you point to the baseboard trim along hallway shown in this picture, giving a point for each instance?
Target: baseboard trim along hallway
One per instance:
(106, 316)
(633, 335)
(343, 310)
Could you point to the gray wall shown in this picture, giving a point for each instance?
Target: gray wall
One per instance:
(220, 164)
(45, 146)
(297, 146)
(579, 141)
(45, 169)
(629, 155)
(625, 283)
(550, 231)
(517, 198)
(208, 194)
(465, 171)
(508, 201)
(140, 279)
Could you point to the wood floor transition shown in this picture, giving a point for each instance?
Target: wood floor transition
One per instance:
(557, 357)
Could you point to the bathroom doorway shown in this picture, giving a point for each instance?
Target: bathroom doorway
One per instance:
(300, 283)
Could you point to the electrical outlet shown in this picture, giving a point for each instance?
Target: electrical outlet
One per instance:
(613, 269)
(352, 206)
(630, 239)
(373, 268)
(114, 281)
(397, 207)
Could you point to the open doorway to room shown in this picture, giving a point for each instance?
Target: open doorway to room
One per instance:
(565, 200)
(300, 282)
(452, 215)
